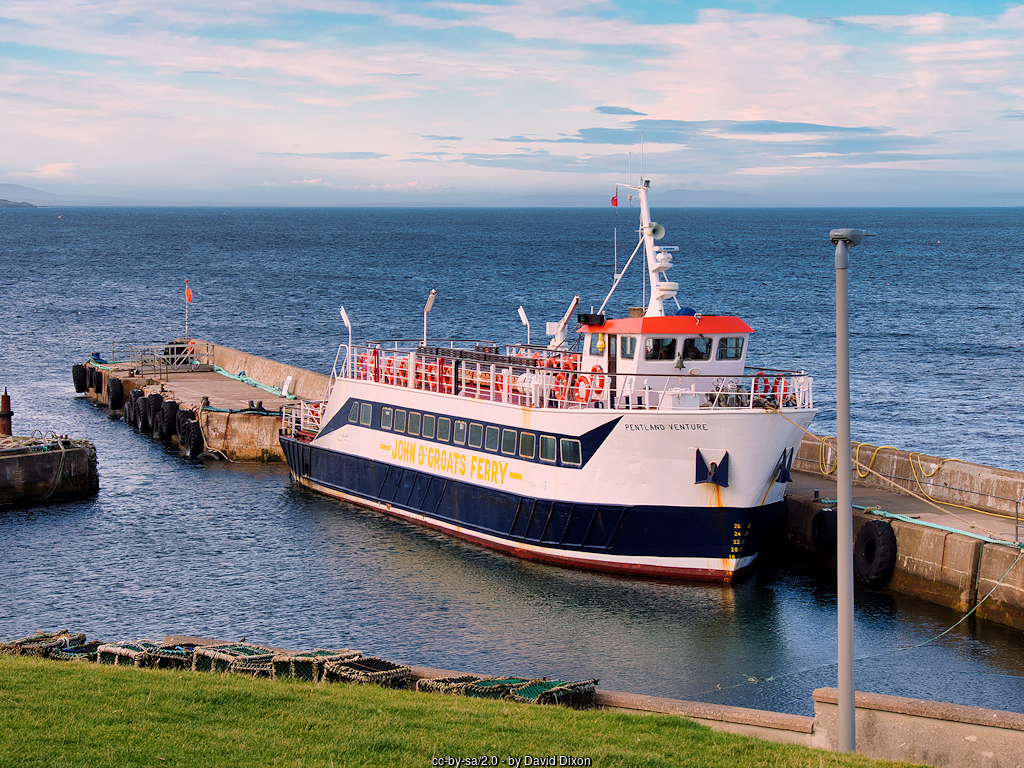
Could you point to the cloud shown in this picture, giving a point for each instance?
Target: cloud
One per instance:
(329, 155)
(442, 138)
(617, 111)
(50, 171)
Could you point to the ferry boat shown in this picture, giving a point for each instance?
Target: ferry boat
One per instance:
(643, 446)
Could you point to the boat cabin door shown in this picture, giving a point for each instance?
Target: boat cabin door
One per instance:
(613, 356)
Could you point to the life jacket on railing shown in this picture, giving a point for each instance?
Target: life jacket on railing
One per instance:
(402, 378)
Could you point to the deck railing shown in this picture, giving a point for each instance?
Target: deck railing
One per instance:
(174, 356)
(536, 377)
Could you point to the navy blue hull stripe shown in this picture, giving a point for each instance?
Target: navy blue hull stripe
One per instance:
(607, 529)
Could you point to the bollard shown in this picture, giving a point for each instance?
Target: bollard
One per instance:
(5, 414)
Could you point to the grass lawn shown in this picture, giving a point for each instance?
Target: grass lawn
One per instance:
(78, 714)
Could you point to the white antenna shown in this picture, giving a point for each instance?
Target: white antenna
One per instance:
(641, 157)
(348, 361)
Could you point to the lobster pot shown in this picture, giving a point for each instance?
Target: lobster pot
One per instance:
(309, 665)
(125, 653)
(234, 657)
(493, 687)
(85, 652)
(579, 694)
(42, 643)
(453, 686)
(166, 656)
(368, 670)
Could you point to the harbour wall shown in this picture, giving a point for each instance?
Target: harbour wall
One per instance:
(959, 569)
(46, 470)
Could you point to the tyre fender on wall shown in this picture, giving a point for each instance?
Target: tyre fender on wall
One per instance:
(823, 529)
(874, 552)
(79, 377)
(115, 394)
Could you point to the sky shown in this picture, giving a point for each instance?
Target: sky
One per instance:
(339, 102)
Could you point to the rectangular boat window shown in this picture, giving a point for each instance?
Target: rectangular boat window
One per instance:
(460, 432)
(598, 344)
(730, 348)
(571, 453)
(353, 414)
(508, 441)
(414, 423)
(399, 420)
(365, 414)
(385, 418)
(547, 448)
(491, 439)
(428, 426)
(444, 429)
(476, 435)
(696, 349)
(660, 349)
(528, 445)
(627, 347)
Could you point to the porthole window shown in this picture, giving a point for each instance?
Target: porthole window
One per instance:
(508, 442)
(444, 429)
(460, 432)
(413, 423)
(528, 445)
(547, 448)
(476, 435)
(353, 414)
(571, 453)
(386, 415)
(365, 414)
(428, 426)
(491, 438)
(399, 420)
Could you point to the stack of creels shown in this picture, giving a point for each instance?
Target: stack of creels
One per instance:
(368, 670)
(42, 643)
(255, 660)
(309, 665)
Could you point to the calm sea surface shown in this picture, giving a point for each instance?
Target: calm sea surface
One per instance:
(226, 550)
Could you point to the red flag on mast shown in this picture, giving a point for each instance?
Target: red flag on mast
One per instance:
(615, 200)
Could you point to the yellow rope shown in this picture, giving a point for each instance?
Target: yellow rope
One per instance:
(856, 458)
(925, 498)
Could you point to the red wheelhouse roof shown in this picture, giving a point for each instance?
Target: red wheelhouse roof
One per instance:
(672, 324)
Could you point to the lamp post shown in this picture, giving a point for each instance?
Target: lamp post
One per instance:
(843, 240)
(348, 357)
(522, 316)
(426, 311)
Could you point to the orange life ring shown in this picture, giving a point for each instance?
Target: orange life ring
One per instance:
(499, 383)
(598, 372)
(761, 376)
(779, 388)
(448, 378)
(363, 366)
(403, 373)
(420, 378)
(582, 390)
(432, 376)
(375, 361)
(389, 371)
(561, 387)
(568, 363)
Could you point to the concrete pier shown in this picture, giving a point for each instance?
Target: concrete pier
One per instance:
(38, 470)
(955, 523)
(234, 396)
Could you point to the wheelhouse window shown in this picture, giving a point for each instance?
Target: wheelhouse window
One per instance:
(598, 344)
(627, 347)
(385, 417)
(444, 429)
(730, 348)
(365, 414)
(353, 414)
(460, 432)
(660, 349)
(414, 423)
(571, 453)
(428, 426)
(696, 348)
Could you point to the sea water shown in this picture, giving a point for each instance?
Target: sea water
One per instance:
(228, 550)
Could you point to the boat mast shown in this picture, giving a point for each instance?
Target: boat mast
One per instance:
(659, 257)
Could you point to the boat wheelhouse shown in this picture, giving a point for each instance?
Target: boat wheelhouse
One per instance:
(645, 446)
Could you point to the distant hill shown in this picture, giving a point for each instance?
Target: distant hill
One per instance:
(11, 204)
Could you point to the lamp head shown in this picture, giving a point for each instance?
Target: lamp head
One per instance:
(851, 237)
